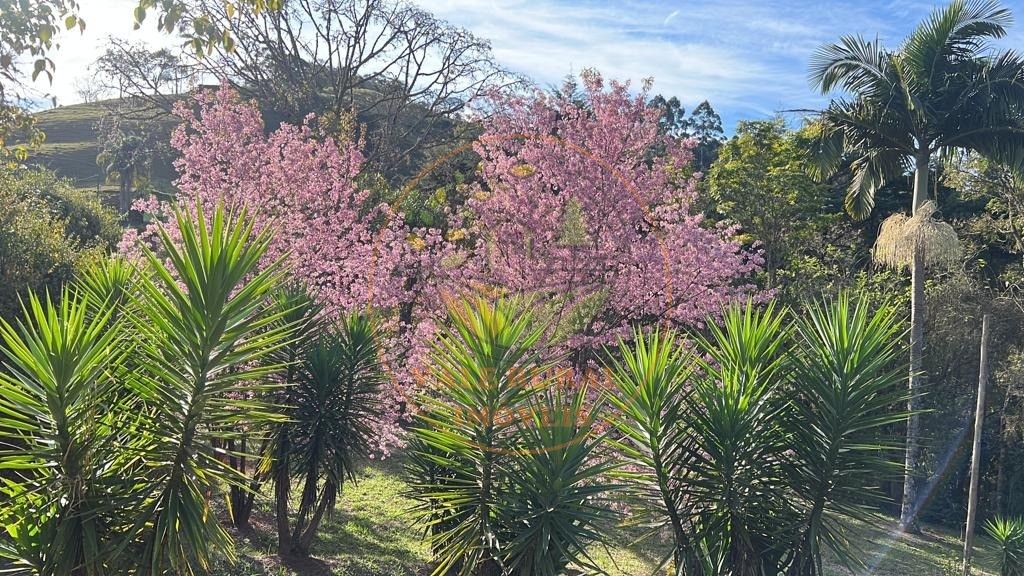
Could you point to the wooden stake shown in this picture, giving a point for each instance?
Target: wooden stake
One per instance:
(979, 416)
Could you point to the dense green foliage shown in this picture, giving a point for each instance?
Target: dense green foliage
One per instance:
(506, 463)
(49, 231)
(1009, 536)
(761, 181)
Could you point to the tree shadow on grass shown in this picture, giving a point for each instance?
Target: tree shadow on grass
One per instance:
(306, 566)
(365, 546)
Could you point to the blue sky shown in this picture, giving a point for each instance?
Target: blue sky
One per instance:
(747, 57)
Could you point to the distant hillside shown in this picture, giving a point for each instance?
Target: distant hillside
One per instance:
(72, 144)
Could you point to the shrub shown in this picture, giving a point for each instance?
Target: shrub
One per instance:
(49, 231)
(506, 466)
(85, 219)
(753, 449)
(1009, 536)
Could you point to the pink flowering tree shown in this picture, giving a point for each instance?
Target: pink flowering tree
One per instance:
(583, 206)
(586, 208)
(331, 235)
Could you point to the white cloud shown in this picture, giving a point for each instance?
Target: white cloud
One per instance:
(747, 57)
(724, 54)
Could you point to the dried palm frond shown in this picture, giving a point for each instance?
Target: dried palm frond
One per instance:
(900, 236)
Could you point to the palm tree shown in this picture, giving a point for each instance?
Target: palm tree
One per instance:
(944, 90)
(124, 158)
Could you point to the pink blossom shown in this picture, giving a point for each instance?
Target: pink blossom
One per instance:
(303, 188)
(638, 252)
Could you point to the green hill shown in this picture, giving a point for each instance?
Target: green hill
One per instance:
(73, 142)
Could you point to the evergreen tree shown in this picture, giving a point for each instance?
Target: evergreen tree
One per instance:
(705, 125)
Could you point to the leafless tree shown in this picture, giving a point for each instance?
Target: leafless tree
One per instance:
(400, 71)
(150, 81)
(88, 90)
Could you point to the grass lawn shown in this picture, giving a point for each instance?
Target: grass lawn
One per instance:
(371, 534)
(72, 144)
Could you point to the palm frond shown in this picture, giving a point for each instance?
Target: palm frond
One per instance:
(871, 172)
(901, 237)
(957, 32)
(853, 64)
(826, 151)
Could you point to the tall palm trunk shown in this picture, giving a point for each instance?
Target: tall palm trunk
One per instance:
(912, 480)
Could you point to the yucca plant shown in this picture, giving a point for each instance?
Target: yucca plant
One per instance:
(298, 308)
(109, 284)
(754, 449)
(557, 501)
(205, 325)
(846, 403)
(506, 470)
(650, 378)
(1009, 536)
(333, 404)
(738, 439)
(69, 492)
(110, 287)
(114, 401)
(483, 369)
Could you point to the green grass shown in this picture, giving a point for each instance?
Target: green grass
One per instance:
(371, 534)
(72, 144)
(74, 160)
(74, 123)
(936, 552)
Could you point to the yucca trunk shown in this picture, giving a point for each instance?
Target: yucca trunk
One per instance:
(243, 498)
(683, 545)
(282, 491)
(911, 481)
